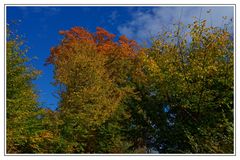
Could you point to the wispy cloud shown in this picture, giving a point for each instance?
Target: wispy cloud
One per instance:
(113, 17)
(52, 11)
(149, 22)
(46, 11)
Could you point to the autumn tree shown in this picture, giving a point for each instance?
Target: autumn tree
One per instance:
(175, 96)
(92, 72)
(188, 97)
(22, 106)
(117, 97)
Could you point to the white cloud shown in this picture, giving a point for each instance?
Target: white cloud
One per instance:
(148, 22)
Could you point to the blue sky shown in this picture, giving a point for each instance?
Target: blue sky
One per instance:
(40, 27)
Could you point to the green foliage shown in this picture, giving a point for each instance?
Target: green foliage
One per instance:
(21, 100)
(175, 96)
(196, 80)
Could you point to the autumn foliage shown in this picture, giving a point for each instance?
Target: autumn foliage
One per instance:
(174, 96)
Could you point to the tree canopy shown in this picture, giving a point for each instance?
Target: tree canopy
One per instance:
(116, 96)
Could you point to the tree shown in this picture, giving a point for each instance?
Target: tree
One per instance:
(92, 72)
(188, 97)
(175, 96)
(22, 106)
